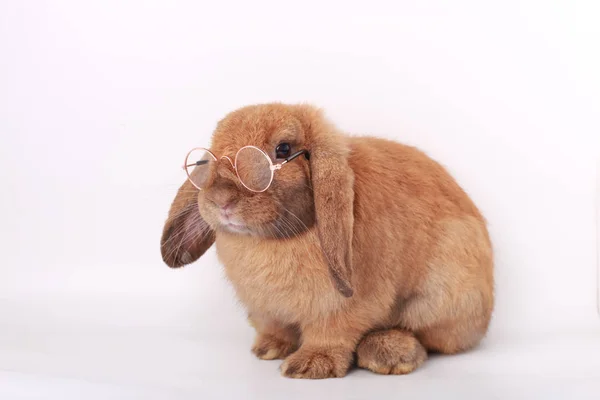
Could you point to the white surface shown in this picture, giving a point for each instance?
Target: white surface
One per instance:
(100, 101)
(70, 357)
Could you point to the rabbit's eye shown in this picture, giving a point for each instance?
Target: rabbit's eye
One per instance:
(283, 150)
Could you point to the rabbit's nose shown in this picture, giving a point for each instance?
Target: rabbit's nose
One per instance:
(227, 209)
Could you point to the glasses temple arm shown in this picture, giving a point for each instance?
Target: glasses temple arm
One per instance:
(201, 162)
(298, 154)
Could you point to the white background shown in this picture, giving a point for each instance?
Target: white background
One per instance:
(99, 101)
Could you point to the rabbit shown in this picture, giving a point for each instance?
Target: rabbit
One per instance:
(364, 252)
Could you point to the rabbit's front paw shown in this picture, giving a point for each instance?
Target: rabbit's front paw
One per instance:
(317, 363)
(270, 347)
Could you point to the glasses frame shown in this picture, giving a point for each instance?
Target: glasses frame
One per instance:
(272, 167)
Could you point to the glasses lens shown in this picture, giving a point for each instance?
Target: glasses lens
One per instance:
(199, 166)
(254, 168)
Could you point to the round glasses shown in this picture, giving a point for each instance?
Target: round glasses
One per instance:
(253, 167)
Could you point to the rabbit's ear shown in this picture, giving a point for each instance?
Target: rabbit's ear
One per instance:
(332, 182)
(186, 236)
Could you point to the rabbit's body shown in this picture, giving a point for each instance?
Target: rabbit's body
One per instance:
(299, 289)
(419, 261)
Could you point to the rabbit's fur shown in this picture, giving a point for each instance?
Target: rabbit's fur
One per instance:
(369, 247)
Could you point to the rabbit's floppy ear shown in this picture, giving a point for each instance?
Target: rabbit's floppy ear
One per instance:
(332, 181)
(186, 236)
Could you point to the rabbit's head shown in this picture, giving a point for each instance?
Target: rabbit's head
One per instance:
(314, 190)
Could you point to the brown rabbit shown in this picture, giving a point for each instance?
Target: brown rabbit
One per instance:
(360, 246)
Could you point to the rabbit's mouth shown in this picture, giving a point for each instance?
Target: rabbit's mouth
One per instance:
(235, 228)
(233, 225)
